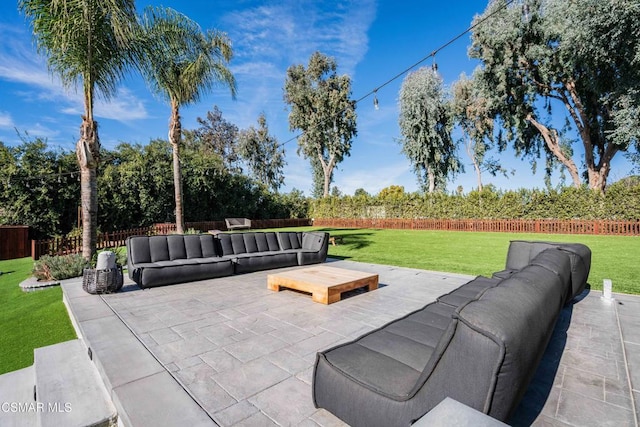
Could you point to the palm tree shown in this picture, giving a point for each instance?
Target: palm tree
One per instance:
(87, 42)
(181, 63)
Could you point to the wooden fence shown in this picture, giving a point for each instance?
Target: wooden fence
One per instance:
(14, 242)
(549, 226)
(114, 239)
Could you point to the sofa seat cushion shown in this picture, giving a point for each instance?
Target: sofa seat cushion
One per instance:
(390, 360)
(246, 263)
(469, 291)
(176, 262)
(169, 272)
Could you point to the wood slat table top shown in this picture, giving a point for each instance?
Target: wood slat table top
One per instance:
(323, 276)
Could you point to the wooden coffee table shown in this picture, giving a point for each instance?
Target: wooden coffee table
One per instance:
(324, 283)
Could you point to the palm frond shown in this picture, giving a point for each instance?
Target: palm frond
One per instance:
(180, 62)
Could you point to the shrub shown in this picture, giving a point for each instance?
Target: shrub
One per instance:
(59, 267)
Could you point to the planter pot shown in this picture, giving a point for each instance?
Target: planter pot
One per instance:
(95, 281)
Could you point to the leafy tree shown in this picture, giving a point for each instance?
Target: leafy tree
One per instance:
(263, 154)
(471, 114)
(579, 56)
(361, 192)
(36, 189)
(136, 186)
(392, 192)
(217, 135)
(87, 42)
(181, 63)
(426, 124)
(322, 109)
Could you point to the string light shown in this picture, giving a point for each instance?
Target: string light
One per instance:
(406, 70)
(374, 92)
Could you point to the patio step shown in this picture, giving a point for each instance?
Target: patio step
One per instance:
(69, 388)
(16, 397)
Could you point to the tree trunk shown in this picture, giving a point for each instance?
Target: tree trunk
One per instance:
(175, 136)
(432, 180)
(327, 168)
(599, 173)
(87, 153)
(550, 137)
(476, 166)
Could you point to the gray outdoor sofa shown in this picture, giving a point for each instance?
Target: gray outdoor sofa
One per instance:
(479, 344)
(164, 260)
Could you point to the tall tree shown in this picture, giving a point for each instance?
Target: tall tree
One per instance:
(263, 155)
(426, 124)
(216, 135)
(86, 42)
(35, 188)
(471, 114)
(182, 63)
(580, 56)
(322, 109)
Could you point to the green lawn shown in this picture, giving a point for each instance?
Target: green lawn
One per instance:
(613, 257)
(36, 319)
(29, 319)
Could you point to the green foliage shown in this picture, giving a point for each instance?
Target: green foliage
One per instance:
(620, 202)
(263, 155)
(322, 109)
(426, 124)
(179, 61)
(59, 267)
(216, 135)
(135, 186)
(580, 57)
(32, 190)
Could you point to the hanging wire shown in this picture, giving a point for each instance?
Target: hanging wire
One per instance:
(374, 91)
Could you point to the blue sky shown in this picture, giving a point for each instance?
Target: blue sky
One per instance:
(372, 41)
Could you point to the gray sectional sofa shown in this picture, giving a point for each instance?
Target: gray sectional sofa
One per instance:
(479, 344)
(164, 260)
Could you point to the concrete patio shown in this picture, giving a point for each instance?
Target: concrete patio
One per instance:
(230, 352)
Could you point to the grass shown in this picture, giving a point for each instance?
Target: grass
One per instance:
(613, 257)
(36, 319)
(29, 319)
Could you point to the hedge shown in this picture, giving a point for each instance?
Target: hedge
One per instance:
(620, 202)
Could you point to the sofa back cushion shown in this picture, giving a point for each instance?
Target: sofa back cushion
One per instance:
(237, 243)
(559, 262)
(272, 241)
(138, 249)
(208, 246)
(250, 243)
(522, 252)
(159, 248)
(289, 240)
(519, 315)
(224, 246)
(261, 242)
(177, 250)
(193, 246)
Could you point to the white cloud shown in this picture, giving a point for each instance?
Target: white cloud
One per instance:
(19, 63)
(288, 32)
(271, 37)
(124, 107)
(6, 122)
